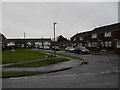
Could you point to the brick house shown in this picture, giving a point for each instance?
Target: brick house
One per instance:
(105, 37)
(28, 43)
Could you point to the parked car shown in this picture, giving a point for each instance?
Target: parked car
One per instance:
(55, 48)
(46, 47)
(81, 49)
(69, 49)
(41, 47)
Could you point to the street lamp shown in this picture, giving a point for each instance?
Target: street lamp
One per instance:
(54, 39)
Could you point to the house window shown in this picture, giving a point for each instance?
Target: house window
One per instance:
(29, 43)
(107, 34)
(118, 44)
(81, 38)
(94, 44)
(74, 39)
(89, 44)
(11, 44)
(102, 43)
(108, 44)
(38, 43)
(94, 35)
(46, 43)
(80, 44)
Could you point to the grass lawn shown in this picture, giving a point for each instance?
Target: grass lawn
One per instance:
(20, 55)
(69, 56)
(39, 63)
(21, 73)
(0, 57)
(62, 49)
(103, 53)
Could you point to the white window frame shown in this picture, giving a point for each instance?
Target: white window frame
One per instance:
(80, 44)
(74, 39)
(94, 44)
(108, 44)
(118, 44)
(46, 43)
(38, 43)
(11, 44)
(29, 43)
(81, 38)
(89, 44)
(102, 43)
(107, 34)
(94, 35)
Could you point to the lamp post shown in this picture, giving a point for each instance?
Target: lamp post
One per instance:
(54, 39)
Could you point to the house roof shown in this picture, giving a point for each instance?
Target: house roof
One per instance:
(108, 28)
(2, 35)
(82, 34)
(31, 39)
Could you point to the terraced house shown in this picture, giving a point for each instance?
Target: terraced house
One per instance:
(28, 43)
(105, 37)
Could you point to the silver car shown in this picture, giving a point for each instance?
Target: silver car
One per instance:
(81, 49)
(69, 49)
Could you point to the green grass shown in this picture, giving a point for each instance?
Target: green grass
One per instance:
(69, 56)
(62, 49)
(40, 63)
(0, 57)
(20, 55)
(103, 53)
(21, 73)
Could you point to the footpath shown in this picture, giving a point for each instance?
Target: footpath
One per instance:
(51, 68)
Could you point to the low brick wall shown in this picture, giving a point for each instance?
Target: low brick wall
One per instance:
(117, 50)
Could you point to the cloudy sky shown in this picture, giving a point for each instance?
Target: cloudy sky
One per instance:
(36, 18)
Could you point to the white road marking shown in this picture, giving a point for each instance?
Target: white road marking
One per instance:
(87, 73)
(35, 77)
(44, 76)
(39, 76)
(105, 72)
(70, 75)
(56, 76)
(19, 78)
(67, 75)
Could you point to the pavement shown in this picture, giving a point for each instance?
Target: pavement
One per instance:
(46, 69)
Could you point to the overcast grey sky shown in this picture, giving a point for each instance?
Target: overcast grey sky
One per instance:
(36, 18)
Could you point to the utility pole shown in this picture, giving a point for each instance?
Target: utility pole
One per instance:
(24, 35)
(54, 39)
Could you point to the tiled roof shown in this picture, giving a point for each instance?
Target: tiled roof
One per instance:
(30, 39)
(108, 28)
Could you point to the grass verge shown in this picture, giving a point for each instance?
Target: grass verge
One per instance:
(69, 56)
(6, 74)
(20, 55)
(103, 53)
(39, 63)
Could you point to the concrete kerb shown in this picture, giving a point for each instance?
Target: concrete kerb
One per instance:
(72, 63)
(51, 70)
(63, 69)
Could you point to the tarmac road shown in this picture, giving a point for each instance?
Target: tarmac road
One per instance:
(100, 72)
